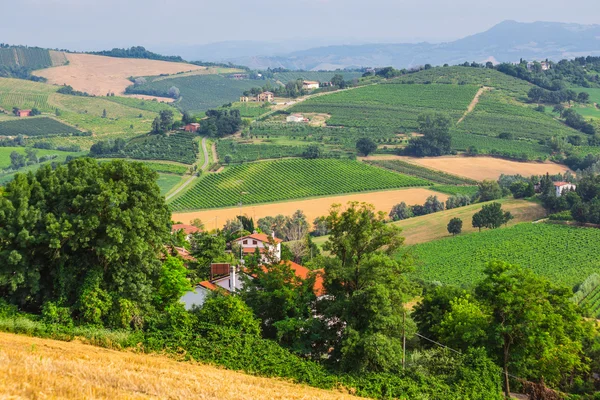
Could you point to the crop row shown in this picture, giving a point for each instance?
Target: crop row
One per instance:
(272, 181)
(30, 57)
(563, 254)
(9, 100)
(178, 147)
(423, 172)
(519, 149)
(40, 127)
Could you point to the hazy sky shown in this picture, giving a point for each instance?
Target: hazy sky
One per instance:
(99, 24)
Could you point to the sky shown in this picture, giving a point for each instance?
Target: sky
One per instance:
(103, 24)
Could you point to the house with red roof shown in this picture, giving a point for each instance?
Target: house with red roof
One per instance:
(269, 246)
(188, 230)
(562, 187)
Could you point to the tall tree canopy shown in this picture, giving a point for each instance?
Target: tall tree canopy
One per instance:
(86, 235)
(436, 139)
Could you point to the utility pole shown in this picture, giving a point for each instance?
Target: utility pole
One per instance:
(403, 338)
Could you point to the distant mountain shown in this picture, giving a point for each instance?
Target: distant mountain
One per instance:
(507, 41)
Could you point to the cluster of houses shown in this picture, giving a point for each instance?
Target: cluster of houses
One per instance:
(227, 278)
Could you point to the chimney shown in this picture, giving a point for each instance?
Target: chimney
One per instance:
(232, 279)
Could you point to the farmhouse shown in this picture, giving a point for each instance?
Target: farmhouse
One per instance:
(23, 113)
(296, 118)
(310, 85)
(227, 279)
(267, 245)
(244, 99)
(265, 96)
(238, 76)
(193, 127)
(188, 230)
(562, 187)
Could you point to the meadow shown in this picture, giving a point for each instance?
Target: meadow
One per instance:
(271, 181)
(43, 126)
(198, 92)
(141, 104)
(166, 182)
(564, 254)
(523, 150)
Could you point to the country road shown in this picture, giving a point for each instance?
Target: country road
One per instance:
(194, 175)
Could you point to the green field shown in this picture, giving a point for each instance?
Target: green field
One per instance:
(271, 181)
(166, 182)
(520, 149)
(565, 255)
(143, 105)
(29, 57)
(422, 172)
(243, 152)
(198, 92)
(393, 108)
(250, 110)
(5, 154)
(454, 190)
(29, 126)
(179, 147)
(325, 76)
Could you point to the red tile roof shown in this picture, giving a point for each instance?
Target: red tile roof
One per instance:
(261, 237)
(213, 288)
(561, 183)
(183, 253)
(187, 229)
(303, 273)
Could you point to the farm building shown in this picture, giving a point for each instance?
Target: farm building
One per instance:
(227, 279)
(244, 99)
(296, 118)
(193, 127)
(265, 244)
(23, 113)
(545, 65)
(310, 85)
(188, 230)
(562, 187)
(265, 96)
(238, 76)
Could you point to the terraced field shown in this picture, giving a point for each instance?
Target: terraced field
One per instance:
(566, 255)
(271, 181)
(39, 127)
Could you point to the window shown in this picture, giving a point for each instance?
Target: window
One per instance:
(254, 242)
(245, 242)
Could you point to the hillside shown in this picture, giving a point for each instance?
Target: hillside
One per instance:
(506, 42)
(34, 368)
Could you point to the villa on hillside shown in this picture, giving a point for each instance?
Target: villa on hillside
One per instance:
(562, 187)
(193, 127)
(265, 96)
(310, 85)
(296, 118)
(269, 246)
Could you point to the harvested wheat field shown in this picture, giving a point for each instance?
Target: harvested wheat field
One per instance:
(100, 75)
(33, 368)
(480, 168)
(312, 208)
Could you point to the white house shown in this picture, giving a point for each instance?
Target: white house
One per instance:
(310, 85)
(296, 118)
(267, 245)
(198, 296)
(562, 187)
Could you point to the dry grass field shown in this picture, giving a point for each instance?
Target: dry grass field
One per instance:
(480, 168)
(100, 75)
(313, 208)
(33, 368)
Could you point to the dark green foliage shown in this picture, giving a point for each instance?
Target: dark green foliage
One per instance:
(243, 152)
(521, 189)
(365, 146)
(491, 216)
(229, 312)
(85, 234)
(178, 147)
(401, 211)
(436, 139)
(220, 123)
(68, 89)
(136, 52)
(489, 190)
(455, 226)
(38, 127)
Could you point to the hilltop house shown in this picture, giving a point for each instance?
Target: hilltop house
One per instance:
(310, 85)
(267, 245)
(228, 279)
(562, 187)
(244, 99)
(193, 127)
(265, 96)
(296, 118)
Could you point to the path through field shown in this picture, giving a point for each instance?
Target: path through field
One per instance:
(33, 368)
(194, 176)
(312, 208)
(473, 103)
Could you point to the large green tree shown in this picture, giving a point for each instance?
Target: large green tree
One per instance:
(436, 139)
(85, 235)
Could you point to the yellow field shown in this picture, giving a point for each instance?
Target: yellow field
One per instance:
(100, 75)
(480, 168)
(33, 368)
(313, 208)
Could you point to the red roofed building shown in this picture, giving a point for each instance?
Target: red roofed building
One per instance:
(193, 127)
(23, 113)
(187, 229)
(264, 243)
(562, 187)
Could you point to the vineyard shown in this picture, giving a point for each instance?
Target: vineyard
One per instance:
(517, 149)
(25, 101)
(588, 295)
(198, 92)
(467, 76)
(566, 255)
(144, 105)
(393, 108)
(271, 181)
(285, 77)
(243, 152)
(454, 190)
(39, 127)
(179, 147)
(422, 172)
(29, 57)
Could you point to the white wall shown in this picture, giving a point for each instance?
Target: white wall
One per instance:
(196, 297)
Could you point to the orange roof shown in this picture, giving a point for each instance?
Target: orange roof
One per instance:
(183, 253)
(303, 272)
(187, 229)
(251, 250)
(261, 237)
(213, 288)
(561, 183)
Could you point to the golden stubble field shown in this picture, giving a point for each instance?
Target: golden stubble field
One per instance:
(33, 368)
(312, 208)
(100, 75)
(479, 168)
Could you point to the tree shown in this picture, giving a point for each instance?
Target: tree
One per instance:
(197, 222)
(455, 226)
(491, 216)
(583, 97)
(31, 155)
(338, 80)
(312, 151)
(535, 94)
(521, 189)
(227, 159)
(401, 211)
(320, 227)
(206, 249)
(430, 311)
(88, 236)
(17, 160)
(489, 190)
(436, 139)
(229, 312)
(478, 221)
(35, 111)
(172, 282)
(156, 126)
(166, 120)
(174, 92)
(365, 146)
(186, 118)
(104, 113)
(433, 205)
(559, 108)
